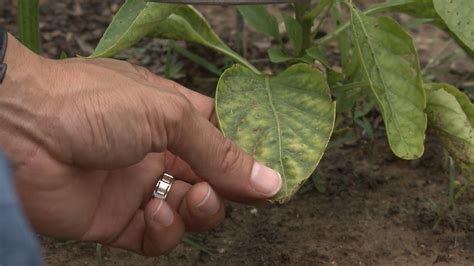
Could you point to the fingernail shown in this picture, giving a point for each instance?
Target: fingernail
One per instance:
(163, 214)
(210, 203)
(265, 180)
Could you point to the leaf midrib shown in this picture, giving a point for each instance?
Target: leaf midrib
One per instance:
(277, 120)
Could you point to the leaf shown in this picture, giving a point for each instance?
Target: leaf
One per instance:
(258, 17)
(459, 17)
(295, 33)
(448, 117)
(278, 55)
(284, 121)
(417, 8)
(186, 23)
(135, 20)
(318, 53)
(462, 98)
(390, 63)
(424, 9)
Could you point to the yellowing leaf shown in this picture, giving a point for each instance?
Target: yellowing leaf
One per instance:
(284, 121)
(448, 113)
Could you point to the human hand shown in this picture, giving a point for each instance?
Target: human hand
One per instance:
(88, 139)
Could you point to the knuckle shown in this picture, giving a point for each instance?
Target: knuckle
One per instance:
(143, 72)
(178, 114)
(231, 156)
(178, 109)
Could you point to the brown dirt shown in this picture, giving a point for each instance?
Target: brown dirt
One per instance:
(392, 212)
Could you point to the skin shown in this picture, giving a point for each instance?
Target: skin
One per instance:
(88, 139)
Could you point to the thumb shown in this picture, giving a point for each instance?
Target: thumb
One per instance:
(228, 169)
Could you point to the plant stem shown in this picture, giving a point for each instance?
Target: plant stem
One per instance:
(244, 62)
(98, 255)
(28, 24)
(374, 10)
(452, 178)
(201, 61)
(462, 190)
(300, 8)
(322, 20)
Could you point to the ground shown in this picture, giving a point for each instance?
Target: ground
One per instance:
(388, 212)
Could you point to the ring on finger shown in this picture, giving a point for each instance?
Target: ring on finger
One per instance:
(163, 186)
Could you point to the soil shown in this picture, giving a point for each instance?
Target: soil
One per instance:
(384, 212)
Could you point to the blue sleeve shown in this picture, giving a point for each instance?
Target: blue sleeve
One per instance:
(18, 244)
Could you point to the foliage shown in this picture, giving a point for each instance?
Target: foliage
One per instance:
(286, 120)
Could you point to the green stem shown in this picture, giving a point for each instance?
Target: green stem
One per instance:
(244, 62)
(28, 24)
(300, 8)
(201, 61)
(98, 255)
(322, 20)
(462, 190)
(452, 179)
(374, 10)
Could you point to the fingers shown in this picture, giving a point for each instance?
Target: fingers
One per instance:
(164, 228)
(199, 206)
(158, 228)
(178, 191)
(155, 231)
(202, 209)
(218, 160)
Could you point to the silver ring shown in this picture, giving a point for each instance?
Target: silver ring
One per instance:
(163, 186)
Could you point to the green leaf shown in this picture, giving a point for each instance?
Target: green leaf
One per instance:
(459, 17)
(284, 121)
(295, 33)
(135, 20)
(449, 118)
(423, 9)
(417, 8)
(390, 63)
(259, 18)
(318, 53)
(278, 55)
(186, 23)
